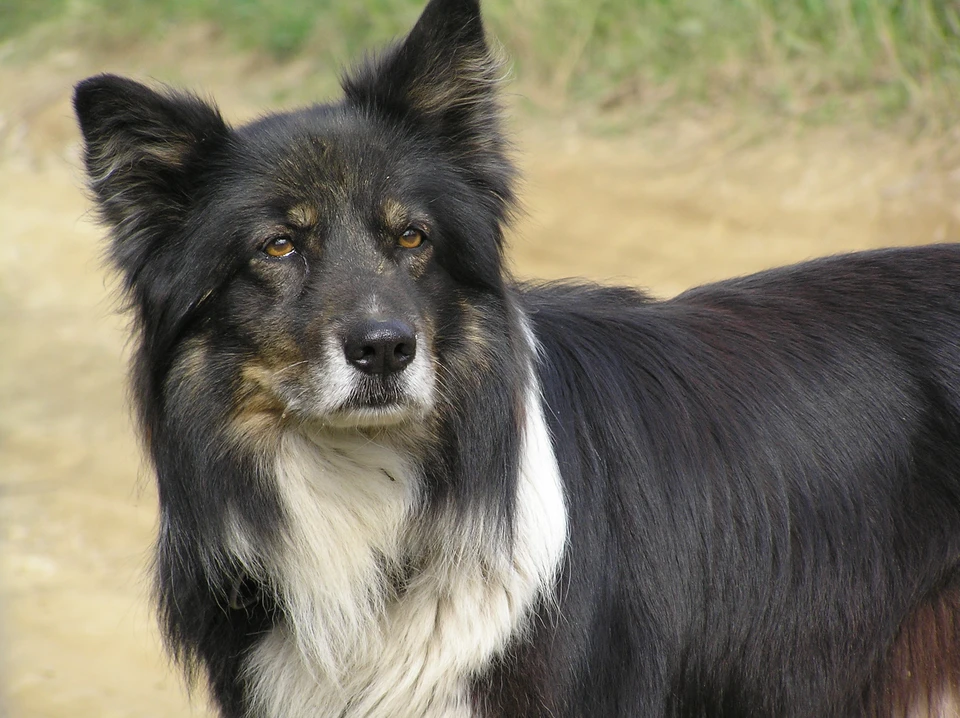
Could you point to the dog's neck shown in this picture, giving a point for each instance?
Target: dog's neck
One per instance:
(384, 615)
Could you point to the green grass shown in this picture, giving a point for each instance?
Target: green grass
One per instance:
(17, 16)
(795, 56)
(813, 58)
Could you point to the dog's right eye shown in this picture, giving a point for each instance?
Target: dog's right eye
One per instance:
(279, 247)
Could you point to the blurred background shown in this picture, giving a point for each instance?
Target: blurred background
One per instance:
(665, 143)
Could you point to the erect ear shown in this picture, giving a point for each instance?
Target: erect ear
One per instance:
(440, 79)
(144, 151)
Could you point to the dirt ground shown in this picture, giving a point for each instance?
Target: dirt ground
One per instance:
(673, 205)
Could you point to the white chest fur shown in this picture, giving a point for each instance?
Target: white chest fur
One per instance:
(352, 647)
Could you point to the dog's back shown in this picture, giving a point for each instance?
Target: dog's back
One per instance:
(776, 459)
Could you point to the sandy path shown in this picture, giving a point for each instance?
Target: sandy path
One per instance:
(665, 208)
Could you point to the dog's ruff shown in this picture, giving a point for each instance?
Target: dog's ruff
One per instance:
(353, 647)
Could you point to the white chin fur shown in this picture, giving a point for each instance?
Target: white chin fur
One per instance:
(371, 417)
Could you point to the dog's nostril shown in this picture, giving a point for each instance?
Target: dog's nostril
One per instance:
(380, 347)
(365, 353)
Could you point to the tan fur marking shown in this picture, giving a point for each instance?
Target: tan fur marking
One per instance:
(475, 75)
(303, 216)
(187, 373)
(168, 153)
(193, 359)
(474, 334)
(259, 413)
(395, 215)
(420, 263)
(921, 677)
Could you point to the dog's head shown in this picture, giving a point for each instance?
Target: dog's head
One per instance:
(327, 264)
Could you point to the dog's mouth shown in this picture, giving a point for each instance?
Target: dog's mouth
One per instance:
(370, 417)
(366, 404)
(374, 405)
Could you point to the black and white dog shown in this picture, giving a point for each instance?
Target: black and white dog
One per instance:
(394, 483)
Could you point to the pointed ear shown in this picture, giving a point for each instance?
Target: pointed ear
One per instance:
(441, 79)
(143, 154)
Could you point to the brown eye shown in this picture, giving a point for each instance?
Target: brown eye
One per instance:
(411, 239)
(278, 247)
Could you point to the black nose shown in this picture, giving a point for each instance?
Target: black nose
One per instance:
(380, 347)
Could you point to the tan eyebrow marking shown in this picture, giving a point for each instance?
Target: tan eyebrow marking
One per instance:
(303, 216)
(395, 215)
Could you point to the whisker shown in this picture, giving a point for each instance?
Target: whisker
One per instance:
(290, 366)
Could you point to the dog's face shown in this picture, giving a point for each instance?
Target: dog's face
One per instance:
(326, 265)
(336, 222)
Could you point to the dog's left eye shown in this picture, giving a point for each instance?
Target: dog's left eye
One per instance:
(411, 238)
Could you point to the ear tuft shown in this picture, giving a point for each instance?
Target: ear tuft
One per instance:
(442, 76)
(143, 148)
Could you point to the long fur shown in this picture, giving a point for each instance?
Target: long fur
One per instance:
(561, 500)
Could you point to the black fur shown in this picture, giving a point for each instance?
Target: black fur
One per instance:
(762, 476)
(764, 482)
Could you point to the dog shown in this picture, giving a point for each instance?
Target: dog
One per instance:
(396, 483)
